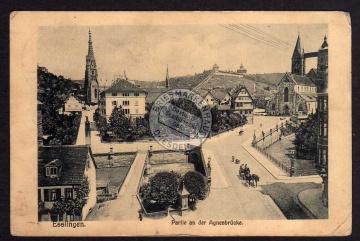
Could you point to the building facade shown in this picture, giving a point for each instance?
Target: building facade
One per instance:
(60, 173)
(295, 94)
(72, 105)
(242, 101)
(125, 94)
(211, 100)
(91, 84)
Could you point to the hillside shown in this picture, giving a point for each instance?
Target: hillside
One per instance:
(185, 82)
(269, 79)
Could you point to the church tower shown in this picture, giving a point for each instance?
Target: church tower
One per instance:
(322, 63)
(167, 80)
(91, 82)
(297, 60)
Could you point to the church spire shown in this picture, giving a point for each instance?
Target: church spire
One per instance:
(297, 50)
(90, 50)
(125, 77)
(167, 80)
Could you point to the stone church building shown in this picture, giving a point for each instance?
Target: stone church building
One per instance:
(297, 92)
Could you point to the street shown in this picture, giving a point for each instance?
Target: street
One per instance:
(229, 198)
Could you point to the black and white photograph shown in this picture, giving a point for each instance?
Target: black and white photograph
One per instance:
(184, 127)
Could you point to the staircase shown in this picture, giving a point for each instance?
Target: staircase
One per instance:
(305, 172)
(202, 82)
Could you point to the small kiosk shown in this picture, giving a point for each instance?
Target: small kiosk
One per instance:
(184, 199)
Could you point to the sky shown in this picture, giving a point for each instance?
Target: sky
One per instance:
(144, 51)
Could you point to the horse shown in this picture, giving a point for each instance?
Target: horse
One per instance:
(255, 178)
(247, 175)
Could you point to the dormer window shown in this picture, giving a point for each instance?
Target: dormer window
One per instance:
(53, 168)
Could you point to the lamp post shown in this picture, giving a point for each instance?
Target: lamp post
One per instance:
(292, 162)
(110, 157)
(147, 164)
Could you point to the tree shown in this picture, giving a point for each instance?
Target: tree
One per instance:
(119, 124)
(306, 138)
(196, 185)
(163, 189)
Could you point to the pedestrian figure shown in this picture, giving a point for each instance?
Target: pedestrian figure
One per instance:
(260, 125)
(140, 216)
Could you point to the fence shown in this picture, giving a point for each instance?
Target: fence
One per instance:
(273, 159)
(271, 137)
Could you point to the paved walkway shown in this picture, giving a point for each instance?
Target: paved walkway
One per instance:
(312, 200)
(126, 206)
(275, 171)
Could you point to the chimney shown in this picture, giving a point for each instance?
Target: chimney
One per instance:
(87, 132)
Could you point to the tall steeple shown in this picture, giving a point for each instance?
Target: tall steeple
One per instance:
(90, 50)
(167, 80)
(297, 60)
(91, 82)
(125, 77)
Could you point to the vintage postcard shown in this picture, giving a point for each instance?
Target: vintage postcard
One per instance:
(180, 124)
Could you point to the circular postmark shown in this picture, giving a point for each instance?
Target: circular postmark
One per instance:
(180, 120)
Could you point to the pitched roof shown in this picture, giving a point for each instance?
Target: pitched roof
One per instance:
(235, 92)
(309, 97)
(72, 160)
(297, 51)
(72, 94)
(302, 80)
(325, 44)
(210, 93)
(121, 86)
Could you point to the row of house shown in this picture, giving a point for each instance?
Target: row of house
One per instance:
(238, 99)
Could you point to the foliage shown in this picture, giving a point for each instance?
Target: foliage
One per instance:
(101, 123)
(187, 105)
(73, 206)
(260, 103)
(54, 90)
(195, 184)
(119, 124)
(225, 120)
(162, 189)
(306, 138)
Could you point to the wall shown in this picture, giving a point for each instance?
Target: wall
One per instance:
(119, 98)
(90, 172)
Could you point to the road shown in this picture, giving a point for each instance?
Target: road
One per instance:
(230, 197)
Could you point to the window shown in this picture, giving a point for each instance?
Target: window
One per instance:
(126, 111)
(50, 171)
(324, 157)
(52, 195)
(325, 129)
(114, 103)
(136, 94)
(95, 93)
(114, 94)
(126, 102)
(321, 129)
(137, 111)
(286, 94)
(68, 193)
(125, 94)
(136, 102)
(325, 103)
(39, 195)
